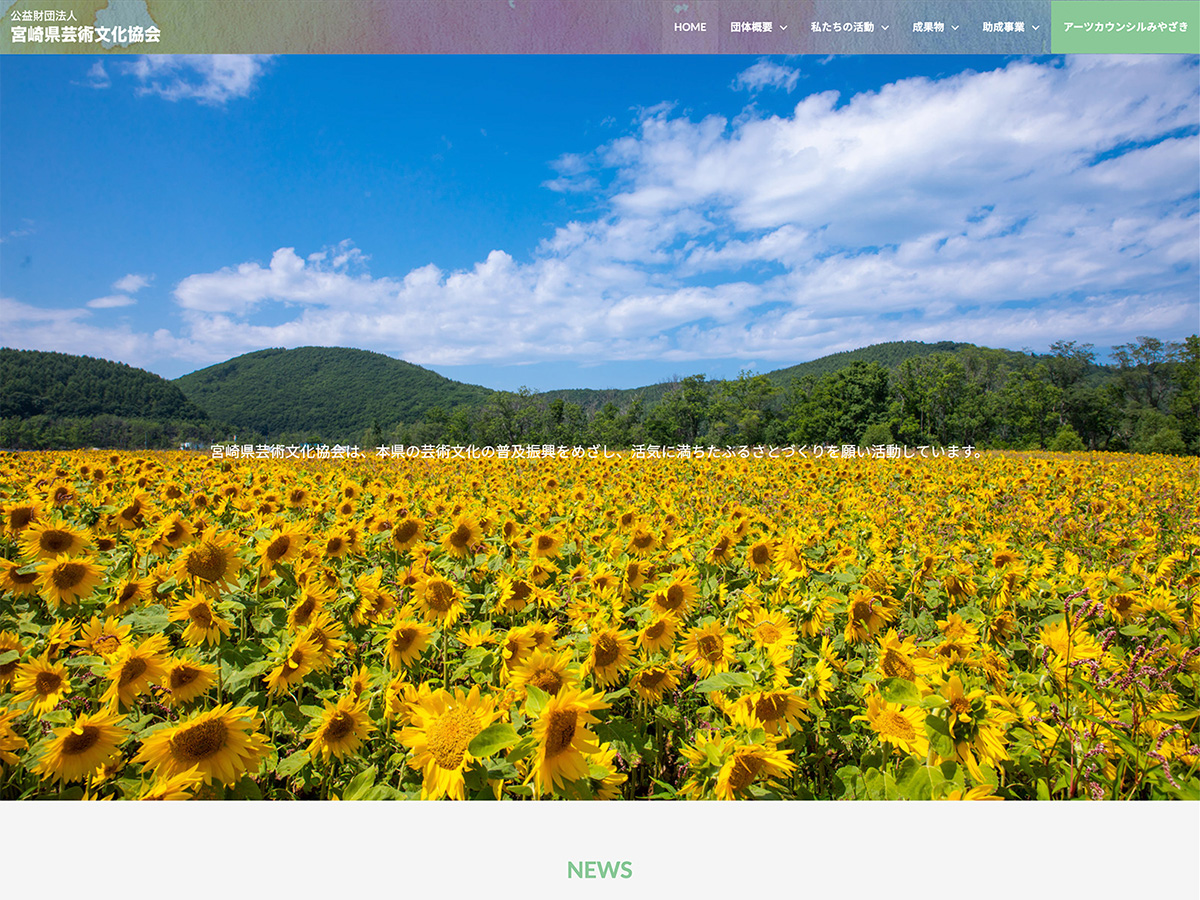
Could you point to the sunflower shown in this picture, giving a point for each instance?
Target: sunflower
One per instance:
(302, 657)
(440, 600)
(60, 493)
(515, 593)
(956, 628)
(866, 613)
(178, 787)
(204, 624)
(563, 738)
(132, 670)
(654, 679)
(611, 654)
(462, 537)
(103, 638)
(280, 547)
(14, 581)
(310, 602)
(211, 560)
(441, 728)
(658, 635)
(132, 512)
(129, 593)
(172, 533)
(543, 634)
(977, 727)
(187, 679)
(747, 764)
(48, 540)
(813, 614)
(708, 649)
(901, 727)
(358, 682)
(341, 730)
(475, 636)
(545, 545)
(406, 642)
(67, 580)
(608, 786)
(778, 711)
(20, 516)
(515, 646)
(675, 596)
(327, 633)
(407, 533)
(636, 573)
(547, 670)
(60, 635)
(222, 743)
(642, 542)
(760, 556)
(721, 551)
(42, 683)
(770, 629)
(9, 739)
(816, 683)
(77, 750)
(898, 658)
(10, 643)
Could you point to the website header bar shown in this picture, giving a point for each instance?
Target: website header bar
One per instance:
(603, 26)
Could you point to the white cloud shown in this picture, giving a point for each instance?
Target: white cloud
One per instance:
(766, 74)
(1010, 208)
(111, 302)
(209, 80)
(97, 76)
(131, 284)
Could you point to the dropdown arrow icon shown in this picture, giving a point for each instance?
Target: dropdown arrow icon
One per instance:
(886, 27)
(1036, 27)
(783, 28)
(954, 28)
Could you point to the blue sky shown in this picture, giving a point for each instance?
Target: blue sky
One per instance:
(593, 221)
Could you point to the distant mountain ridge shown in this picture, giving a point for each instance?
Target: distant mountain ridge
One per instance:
(43, 383)
(324, 390)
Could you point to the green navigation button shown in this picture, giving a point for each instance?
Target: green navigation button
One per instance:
(1125, 26)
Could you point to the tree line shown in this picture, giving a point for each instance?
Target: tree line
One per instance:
(1147, 401)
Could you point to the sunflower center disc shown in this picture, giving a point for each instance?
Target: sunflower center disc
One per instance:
(200, 741)
(560, 731)
(81, 742)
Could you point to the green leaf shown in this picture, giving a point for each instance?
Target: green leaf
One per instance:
(9, 656)
(924, 783)
(313, 712)
(900, 690)
(723, 680)
(492, 740)
(246, 789)
(360, 784)
(382, 792)
(293, 764)
(938, 733)
(1175, 715)
(148, 620)
(536, 699)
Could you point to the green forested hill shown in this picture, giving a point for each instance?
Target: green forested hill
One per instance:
(332, 392)
(59, 385)
(889, 355)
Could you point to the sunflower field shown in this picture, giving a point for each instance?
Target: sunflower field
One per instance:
(1002, 627)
